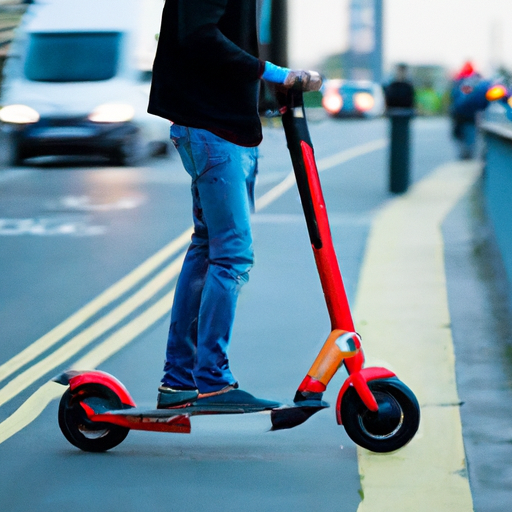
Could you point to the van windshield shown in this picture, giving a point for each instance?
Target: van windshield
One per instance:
(72, 57)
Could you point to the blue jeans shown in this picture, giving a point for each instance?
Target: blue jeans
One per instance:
(217, 262)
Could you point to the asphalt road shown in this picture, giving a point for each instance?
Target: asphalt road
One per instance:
(69, 231)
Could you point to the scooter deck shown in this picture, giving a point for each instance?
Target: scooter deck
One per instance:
(96, 407)
(178, 419)
(162, 420)
(191, 410)
(198, 409)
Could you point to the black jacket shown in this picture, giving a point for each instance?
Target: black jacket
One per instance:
(399, 95)
(206, 71)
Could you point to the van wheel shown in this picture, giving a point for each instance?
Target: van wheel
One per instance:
(161, 148)
(14, 156)
(130, 153)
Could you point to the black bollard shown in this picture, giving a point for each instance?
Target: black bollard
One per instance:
(399, 153)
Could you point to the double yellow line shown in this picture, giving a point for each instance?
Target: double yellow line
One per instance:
(88, 335)
(120, 338)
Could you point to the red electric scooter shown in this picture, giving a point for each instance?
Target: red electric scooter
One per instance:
(378, 411)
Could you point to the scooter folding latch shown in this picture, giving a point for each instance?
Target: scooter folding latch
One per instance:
(339, 345)
(349, 344)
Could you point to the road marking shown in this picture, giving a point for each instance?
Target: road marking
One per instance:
(336, 219)
(37, 402)
(65, 224)
(49, 226)
(84, 203)
(101, 301)
(322, 165)
(126, 334)
(402, 314)
(50, 391)
(88, 335)
(29, 410)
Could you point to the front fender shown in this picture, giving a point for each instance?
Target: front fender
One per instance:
(359, 380)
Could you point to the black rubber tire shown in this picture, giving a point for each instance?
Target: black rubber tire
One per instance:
(389, 429)
(15, 155)
(79, 430)
(130, 153)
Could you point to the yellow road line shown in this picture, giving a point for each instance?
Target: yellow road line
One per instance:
(348, 154)
(49, 391)
(402, 313)
(30, 409)
(126, 334)
(82, 315)
(322, 165)
(87, 336)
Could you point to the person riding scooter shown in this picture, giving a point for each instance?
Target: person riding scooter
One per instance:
(206, 78)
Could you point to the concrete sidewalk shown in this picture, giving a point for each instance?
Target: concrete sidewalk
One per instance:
(480, 309)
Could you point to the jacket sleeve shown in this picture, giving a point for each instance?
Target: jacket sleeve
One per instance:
(207, 47)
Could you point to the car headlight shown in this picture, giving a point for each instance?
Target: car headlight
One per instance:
(332, 102)
(18, 114)
(364, 101)
(112, 113)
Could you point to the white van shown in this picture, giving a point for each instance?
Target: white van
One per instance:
(77, 80)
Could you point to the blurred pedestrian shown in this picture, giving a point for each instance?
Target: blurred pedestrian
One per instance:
(399, 93)
(206, 78)
(466, 101)
(471, 95)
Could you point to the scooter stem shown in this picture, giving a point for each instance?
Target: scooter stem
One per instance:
(333, 353)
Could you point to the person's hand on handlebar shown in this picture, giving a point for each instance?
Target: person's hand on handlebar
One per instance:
(309, 80)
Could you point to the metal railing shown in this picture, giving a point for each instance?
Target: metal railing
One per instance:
(497, 183)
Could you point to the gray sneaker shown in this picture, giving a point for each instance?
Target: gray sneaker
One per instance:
(169, 397)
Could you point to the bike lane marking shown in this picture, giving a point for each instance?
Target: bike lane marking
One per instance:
(402, 313)
(49, 391)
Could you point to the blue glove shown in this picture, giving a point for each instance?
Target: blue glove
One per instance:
(310, 80)
(275, 73)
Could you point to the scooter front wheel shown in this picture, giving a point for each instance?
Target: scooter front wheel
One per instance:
(392, 426)
(79, 430)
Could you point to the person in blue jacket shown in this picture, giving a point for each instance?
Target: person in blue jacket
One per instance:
(206, 80)
(469, 96)
(462, 110)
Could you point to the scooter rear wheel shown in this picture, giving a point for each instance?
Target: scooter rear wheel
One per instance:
(392, 426)
(79, 430)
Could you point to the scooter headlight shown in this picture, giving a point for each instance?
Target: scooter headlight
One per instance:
(112, 113)
(19, 114)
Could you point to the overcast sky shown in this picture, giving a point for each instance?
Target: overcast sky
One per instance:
(443, 32)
